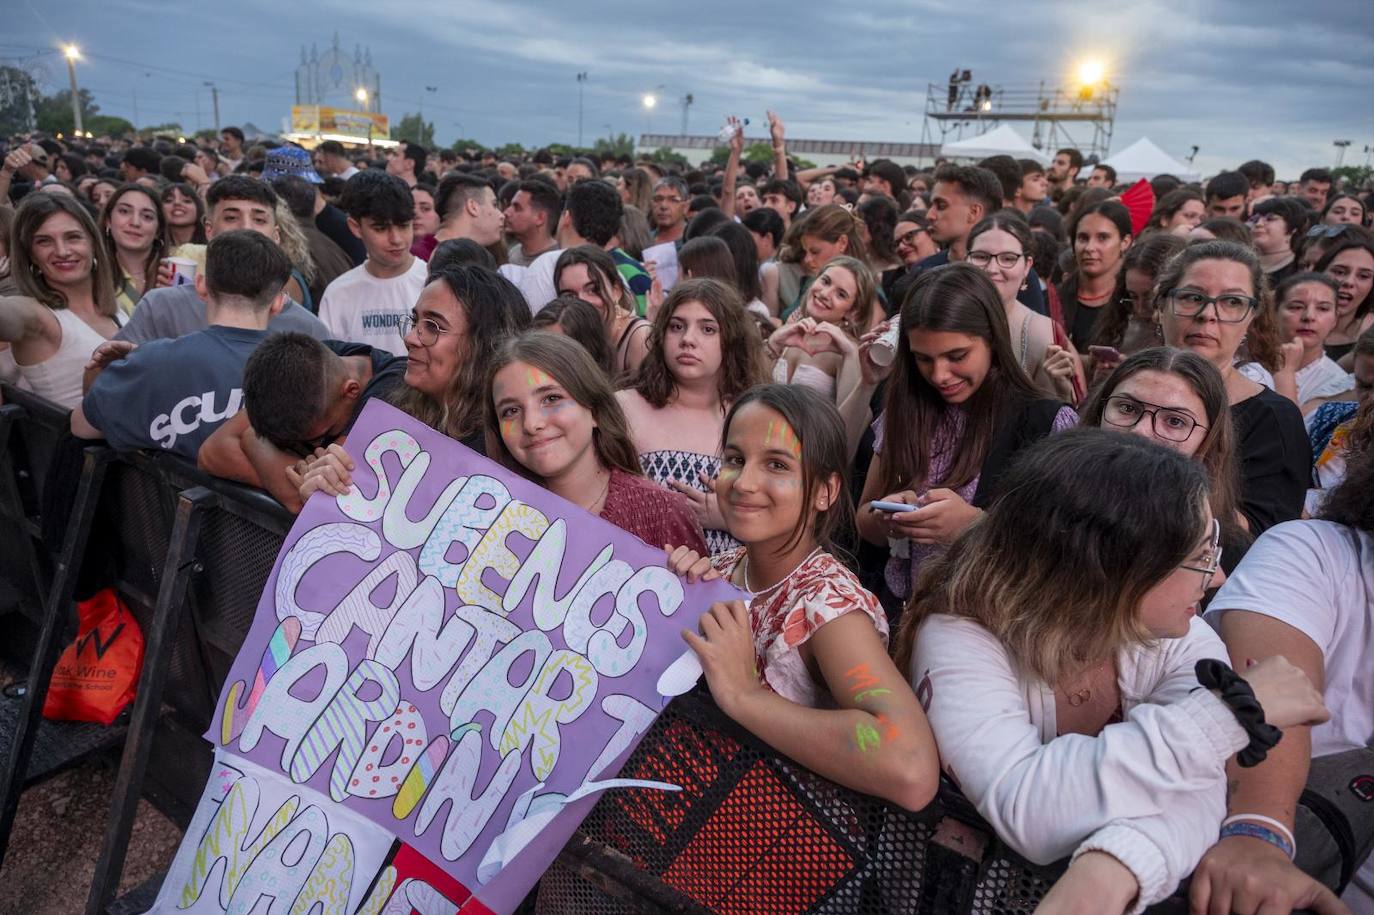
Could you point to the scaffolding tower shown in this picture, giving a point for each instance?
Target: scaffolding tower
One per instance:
(1081, 117)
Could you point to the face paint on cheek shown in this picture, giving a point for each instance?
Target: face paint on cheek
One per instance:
(508, 427)
(729, 473)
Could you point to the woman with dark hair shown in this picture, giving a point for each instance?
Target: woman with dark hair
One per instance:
(1211, 298)
(1177, 398)
(590, 274)
(766, 228)
(958, 408)
(66, 303)
(703, 354)
(703, 221)
(707, 257)
(1305, 590)
(552, 417)
(911, 240)
(463, 314)
(878, 223)
(804, 664)
(183, 212)
(133, 227)
(1100, 234)
(1277, 226)
(1127, 324)
(1343, 209)
(101, 191)
(740, 241)
(69, 168)
(1178, 212)
(1305, 308)
(572, 317)
(1001, 246)
(1056, 644)
(1350, 262)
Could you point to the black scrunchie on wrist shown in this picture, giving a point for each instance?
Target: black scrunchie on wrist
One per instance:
(1240, 697)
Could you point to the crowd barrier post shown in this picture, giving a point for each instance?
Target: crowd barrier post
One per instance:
(178, 570)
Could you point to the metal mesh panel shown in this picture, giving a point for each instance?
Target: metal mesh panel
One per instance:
(56, 743)
(237, 556)
(751, 831)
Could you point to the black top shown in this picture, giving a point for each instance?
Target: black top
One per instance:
(1082, 321)
(332, 222)
(1022, 424)
(388, 372)
(1336, 351)
(1275, 459)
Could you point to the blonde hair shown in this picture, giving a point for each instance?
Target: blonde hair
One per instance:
(861, 316)
(293, 241)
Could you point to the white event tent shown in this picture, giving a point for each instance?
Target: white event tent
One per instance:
(1000, 141)
(1143, 159)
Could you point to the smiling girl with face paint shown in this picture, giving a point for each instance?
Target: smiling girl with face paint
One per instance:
(552, 417)
(804, 665)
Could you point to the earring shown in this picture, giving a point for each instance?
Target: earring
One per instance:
(1159, 332)
(1025, 284)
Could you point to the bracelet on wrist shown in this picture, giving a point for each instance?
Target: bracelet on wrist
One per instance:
(1270, 822)
(1257, 831)
(1240, 698)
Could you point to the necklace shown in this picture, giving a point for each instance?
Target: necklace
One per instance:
(1079, 697)
(744, 573)
(591, 506)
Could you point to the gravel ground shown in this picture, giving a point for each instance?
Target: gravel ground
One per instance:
(57, 837)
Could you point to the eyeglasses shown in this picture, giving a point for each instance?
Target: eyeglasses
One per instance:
(1264, 217)
(909, 238)
(1125, 411)
(1230, 309)
(426, 330)
(1214, 549)
(667, 200)
(1006, 260)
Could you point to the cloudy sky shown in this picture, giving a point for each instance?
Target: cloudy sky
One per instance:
(1271, 79)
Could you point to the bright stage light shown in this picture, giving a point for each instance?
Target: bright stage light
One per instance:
(1091, 72)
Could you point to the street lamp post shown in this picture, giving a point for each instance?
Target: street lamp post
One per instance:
(72, 53)
(581, 84)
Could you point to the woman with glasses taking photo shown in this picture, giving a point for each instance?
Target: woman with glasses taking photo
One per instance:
(1210, 299)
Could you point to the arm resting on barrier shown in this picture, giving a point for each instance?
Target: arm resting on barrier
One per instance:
(236, 452)
(877, 741)
(1240, 867)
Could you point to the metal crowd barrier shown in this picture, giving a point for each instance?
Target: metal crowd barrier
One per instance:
(750, 832)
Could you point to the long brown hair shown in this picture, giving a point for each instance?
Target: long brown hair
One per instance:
(741, 352)
(495, 310)
(829, 223)
(1217, 452)
(569, 364)
(154, 258)
(1262, 337)
(958, 298)
(604, 275)
(861, 315)
(28, 220)
(1087, 523)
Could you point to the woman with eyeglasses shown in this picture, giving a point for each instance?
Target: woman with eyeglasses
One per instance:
(1055, 645)
(1209, 299)
(1349, 260)
(462, 316)
(1176, 398)
(912, 240)
(1001, 246)
(1277, 226)
(1127, 324)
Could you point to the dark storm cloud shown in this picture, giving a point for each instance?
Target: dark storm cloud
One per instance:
(1238, 78)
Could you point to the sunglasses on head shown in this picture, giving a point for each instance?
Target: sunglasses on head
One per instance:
(1326, 231)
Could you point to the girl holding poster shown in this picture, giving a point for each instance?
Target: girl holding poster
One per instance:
(552, 417)
(804, 666)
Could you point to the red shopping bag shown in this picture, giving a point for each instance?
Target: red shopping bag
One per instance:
(97, 675)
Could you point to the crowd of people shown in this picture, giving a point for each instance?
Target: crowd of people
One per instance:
(1035, 479)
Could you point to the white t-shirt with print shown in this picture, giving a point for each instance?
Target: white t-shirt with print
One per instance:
(1318, 577)
(361, 308)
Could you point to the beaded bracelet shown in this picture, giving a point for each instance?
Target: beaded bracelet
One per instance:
(1256, 831)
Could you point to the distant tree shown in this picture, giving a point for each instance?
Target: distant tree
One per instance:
(510, 149)
(666, 156)
(464, 146)
(619, 145)
(54, 112)
(1353, 176)
(413, 128)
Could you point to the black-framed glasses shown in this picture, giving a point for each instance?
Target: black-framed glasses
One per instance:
(909, 238)
(1230, 309)
(1210, 571)
(426, 330)
(1006, 260)
(1125, 411)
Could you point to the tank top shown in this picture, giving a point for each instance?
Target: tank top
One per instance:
(58, 378)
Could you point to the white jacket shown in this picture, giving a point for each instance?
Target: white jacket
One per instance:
(1149, 791)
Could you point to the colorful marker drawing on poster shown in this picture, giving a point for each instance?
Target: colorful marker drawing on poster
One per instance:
(457, 656)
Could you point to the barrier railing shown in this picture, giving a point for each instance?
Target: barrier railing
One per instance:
(750, 831)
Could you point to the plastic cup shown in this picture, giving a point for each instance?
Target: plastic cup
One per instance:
(183, 271)
(884, 349)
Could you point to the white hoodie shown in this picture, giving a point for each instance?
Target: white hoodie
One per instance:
(1149, 791)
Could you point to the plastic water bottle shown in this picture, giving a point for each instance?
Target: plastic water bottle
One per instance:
(727, 133)
(884, 349)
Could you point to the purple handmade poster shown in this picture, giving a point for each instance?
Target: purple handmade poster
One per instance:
(453, 654)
